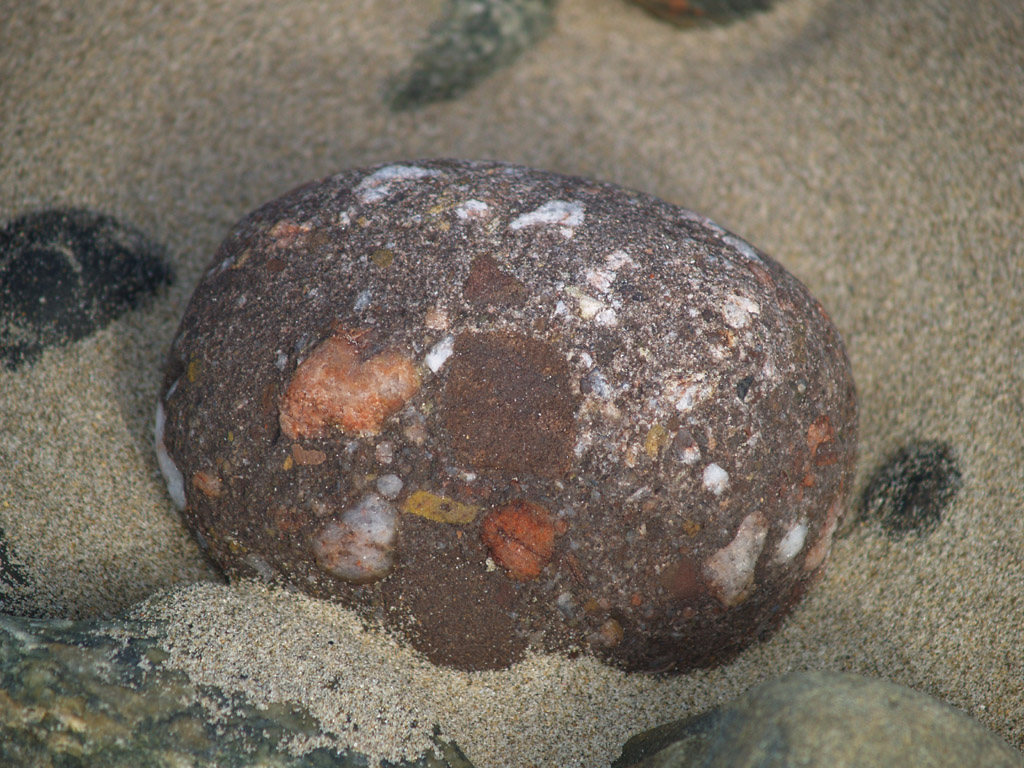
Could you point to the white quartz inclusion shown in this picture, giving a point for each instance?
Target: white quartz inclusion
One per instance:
(738, 309)
(743, 247)
(172, 475)
(440, 353)
(716, 479)
(378, 185)
(730, 571)
(589, 307)
(564, 213)
(389, 486)
(791, 544)
(471, 209)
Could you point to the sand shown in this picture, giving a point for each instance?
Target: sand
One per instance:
(874, 149)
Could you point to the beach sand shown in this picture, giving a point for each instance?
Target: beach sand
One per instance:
(875, 150)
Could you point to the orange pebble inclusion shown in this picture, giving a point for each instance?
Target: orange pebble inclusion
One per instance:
(334, 388)
(521, 537)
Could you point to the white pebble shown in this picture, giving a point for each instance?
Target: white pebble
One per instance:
(716, 479)
(389, 486)
(440, 353)
(791, 543)
(172, 475)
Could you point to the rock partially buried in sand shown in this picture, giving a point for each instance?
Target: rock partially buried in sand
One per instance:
(821, 720)
(498, 408)
(67, 272)
(685, 13)
(99, 693)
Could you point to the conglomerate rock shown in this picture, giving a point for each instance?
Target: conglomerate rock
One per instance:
(496, 408)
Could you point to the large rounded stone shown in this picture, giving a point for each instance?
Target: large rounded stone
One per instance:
(823, 720)
(496, 408)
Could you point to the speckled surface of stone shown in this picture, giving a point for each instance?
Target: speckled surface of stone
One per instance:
(606, 424)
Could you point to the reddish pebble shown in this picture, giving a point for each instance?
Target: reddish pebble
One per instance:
(520, 537)
(334, 388)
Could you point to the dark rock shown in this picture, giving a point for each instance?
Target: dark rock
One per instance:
(11, 574)
(13, 579)
(548, 371)
(473, 39)
(64, 273)
(823, 720)
(909, 492)
(690, 12)
(96, 693)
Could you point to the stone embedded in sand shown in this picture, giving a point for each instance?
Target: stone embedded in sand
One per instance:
(600, 421)
(684, 13)
(360, 547)
(65, 273)
(909, 492)
(334, 388)
(821, 720)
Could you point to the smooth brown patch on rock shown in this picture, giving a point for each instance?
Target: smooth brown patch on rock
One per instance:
(334, 388)
(521, 537)
(507, 405)
(461, 614)
(681, 579)
(487, 284)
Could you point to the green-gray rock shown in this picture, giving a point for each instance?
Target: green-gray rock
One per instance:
(471, 40)
(819, 720)
(95, 693)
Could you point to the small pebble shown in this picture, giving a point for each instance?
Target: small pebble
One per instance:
(684, 13)
(389, 486)
(909, 493)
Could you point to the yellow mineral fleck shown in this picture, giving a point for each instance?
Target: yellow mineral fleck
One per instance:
(441, 509)
(657, 438)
